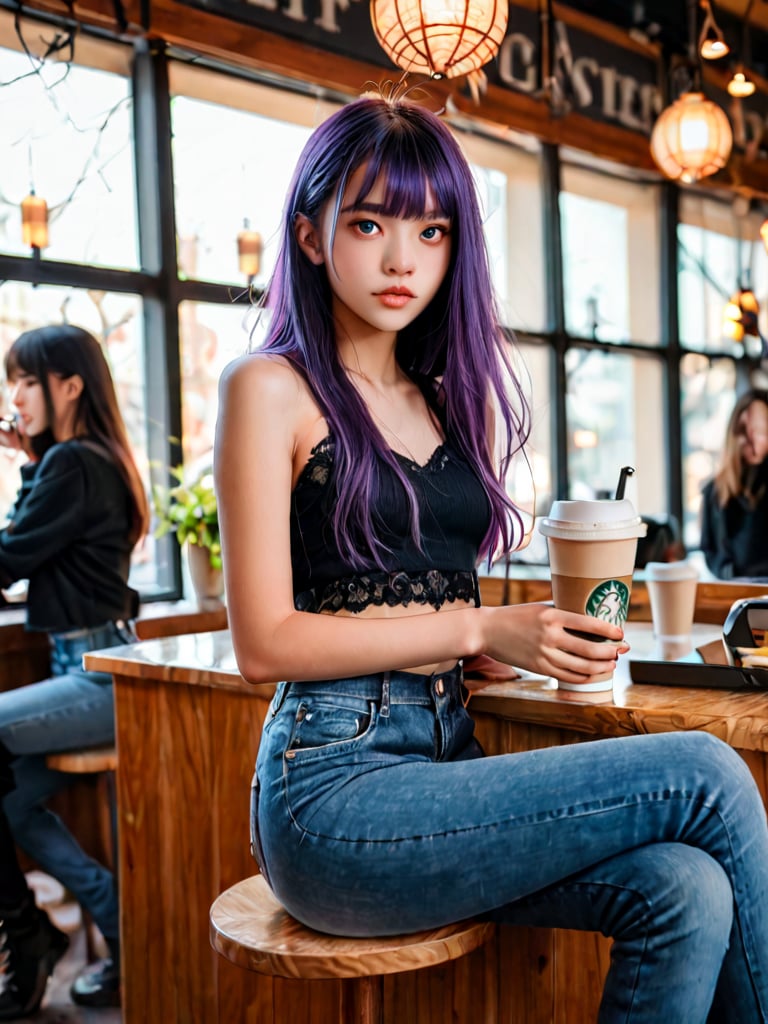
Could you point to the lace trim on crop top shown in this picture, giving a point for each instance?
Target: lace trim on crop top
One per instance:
(354, 593)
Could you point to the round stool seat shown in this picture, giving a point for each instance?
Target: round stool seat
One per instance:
(250, 928)
(84, 761)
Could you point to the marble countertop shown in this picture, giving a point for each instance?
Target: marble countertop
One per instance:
(192, 659)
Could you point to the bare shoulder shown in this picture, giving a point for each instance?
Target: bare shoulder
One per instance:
(269, 383)
(269, 375)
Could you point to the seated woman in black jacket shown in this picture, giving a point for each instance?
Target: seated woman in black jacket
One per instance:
(71, 534)
(734, 522)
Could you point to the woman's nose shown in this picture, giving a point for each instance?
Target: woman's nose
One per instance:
(398, 258)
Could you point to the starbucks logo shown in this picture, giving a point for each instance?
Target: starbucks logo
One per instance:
(610, 602)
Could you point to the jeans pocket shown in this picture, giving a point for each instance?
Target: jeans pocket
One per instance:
(256, 849)
(319, 726)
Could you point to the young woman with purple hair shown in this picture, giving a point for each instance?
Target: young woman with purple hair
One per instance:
(359, 487)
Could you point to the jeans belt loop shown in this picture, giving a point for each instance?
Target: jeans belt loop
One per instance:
(384, 709)
(281, 692)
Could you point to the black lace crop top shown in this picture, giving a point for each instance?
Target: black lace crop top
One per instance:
(454, 514)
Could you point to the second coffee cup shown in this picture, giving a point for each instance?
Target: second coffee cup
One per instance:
(672, 592)
(592, 549)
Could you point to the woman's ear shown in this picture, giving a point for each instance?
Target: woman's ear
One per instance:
(308, 237)
(73, 386)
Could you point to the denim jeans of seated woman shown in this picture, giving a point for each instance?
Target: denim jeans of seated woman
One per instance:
(374, 812)
(72, 709)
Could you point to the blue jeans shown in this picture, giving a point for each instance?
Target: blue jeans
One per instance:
(72, 709)
(374, 812)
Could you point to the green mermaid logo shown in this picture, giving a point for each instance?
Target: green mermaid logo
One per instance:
(609, 601)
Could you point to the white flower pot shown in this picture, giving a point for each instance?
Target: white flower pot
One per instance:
(208, 582)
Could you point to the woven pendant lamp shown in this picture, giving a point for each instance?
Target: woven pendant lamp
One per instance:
(440, 38)
(691, 139)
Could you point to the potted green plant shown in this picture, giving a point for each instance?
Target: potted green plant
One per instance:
(188, 509)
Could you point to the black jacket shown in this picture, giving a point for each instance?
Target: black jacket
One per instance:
(734, 539)
(69, 536)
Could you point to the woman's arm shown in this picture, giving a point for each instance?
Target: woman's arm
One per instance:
(48, 515)
(264, 408)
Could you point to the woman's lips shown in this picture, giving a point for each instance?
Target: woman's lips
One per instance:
(395, 298)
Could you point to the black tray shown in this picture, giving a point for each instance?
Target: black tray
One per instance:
(695, 672)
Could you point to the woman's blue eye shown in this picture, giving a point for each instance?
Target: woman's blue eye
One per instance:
(366, 227)
(434, 231)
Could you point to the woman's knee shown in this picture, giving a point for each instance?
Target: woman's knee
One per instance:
(712, 764)
(687, 895)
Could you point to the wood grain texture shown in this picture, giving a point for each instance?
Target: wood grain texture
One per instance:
(251, 928)
(187, 740)
(739, 718)
(85, 761)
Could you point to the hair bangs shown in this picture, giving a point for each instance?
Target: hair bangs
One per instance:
(412, 189)
(25, 357)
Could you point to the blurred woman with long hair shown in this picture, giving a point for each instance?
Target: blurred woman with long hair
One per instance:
(80, 513)
(734, 519)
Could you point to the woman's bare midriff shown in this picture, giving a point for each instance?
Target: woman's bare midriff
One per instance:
(398, 611)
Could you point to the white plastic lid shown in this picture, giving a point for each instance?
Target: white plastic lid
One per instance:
(681, 570)
(593, 520)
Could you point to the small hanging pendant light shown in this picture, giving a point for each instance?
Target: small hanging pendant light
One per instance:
(249, 250)
(740, 86)
(691, 138)
(34, 221)
(764, 233)
(740, 315)
(440, 38)
(712, 44)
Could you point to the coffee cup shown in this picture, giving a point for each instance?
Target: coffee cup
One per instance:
(672, 592)
(592, 549)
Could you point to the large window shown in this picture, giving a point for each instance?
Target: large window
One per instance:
(66, 135)
(614, 400)
(508, 179)
(615, 417)
(232, 160)
(610, 230)
(602, 360)
(719, 250)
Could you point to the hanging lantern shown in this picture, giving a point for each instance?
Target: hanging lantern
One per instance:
(440, 38)
(249, 249)
(740, 315)
(34, 221)
(691, 139)
(764, 233)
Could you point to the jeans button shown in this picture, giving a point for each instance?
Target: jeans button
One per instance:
(439, 687)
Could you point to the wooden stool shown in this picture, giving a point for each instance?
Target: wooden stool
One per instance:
(95, 761)
(100, 761)
(88, 760)
(250, 928)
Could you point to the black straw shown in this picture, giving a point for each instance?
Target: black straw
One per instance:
(625, 472)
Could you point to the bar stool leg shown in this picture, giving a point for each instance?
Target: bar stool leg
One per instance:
(362, 1001)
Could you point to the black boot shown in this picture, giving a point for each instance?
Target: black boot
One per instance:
(98, 984)
(31, 948)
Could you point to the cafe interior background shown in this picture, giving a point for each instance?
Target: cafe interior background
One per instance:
(146, 146)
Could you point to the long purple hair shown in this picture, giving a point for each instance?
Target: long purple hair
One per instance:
(456, 338)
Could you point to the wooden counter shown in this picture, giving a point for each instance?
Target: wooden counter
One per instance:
(188, 728)
(560, 972)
